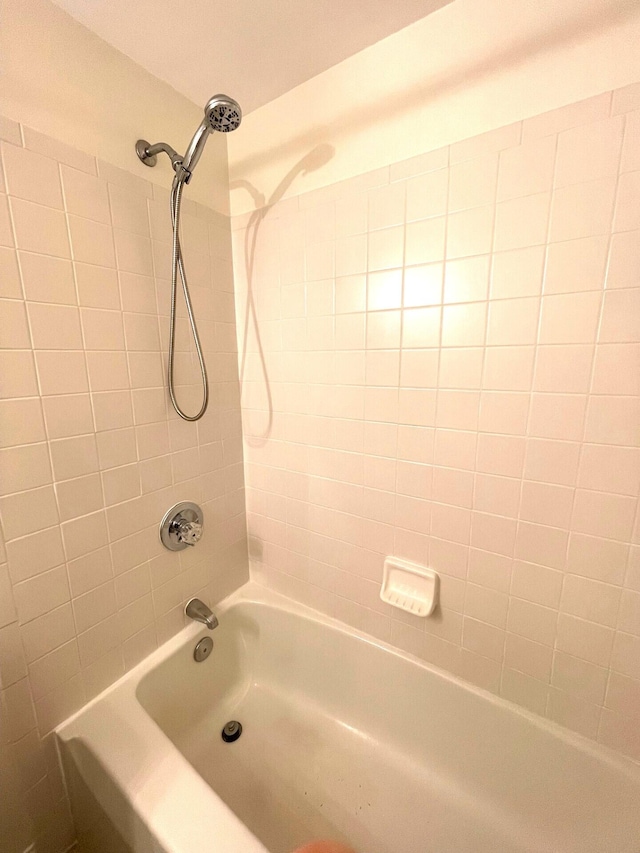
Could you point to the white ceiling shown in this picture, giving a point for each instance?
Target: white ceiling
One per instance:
(254, 50)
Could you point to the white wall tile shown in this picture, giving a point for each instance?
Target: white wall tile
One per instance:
(588, 152)
(31, 176)
(582, 210)
(39, 228)
(530, 658)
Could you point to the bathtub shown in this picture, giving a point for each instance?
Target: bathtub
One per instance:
(343, 737)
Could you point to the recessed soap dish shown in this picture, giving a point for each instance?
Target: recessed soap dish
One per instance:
(410, 587)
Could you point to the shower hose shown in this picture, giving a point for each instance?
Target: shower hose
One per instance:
(177, 269)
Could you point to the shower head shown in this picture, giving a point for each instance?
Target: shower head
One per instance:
(221, 113)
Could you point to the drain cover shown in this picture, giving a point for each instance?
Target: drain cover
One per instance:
(231, 731)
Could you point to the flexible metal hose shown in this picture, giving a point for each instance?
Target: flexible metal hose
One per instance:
(177, 268)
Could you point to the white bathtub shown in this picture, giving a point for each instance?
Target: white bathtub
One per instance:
(343, 738)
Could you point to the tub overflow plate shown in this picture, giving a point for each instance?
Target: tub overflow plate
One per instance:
(231, 731)
(203, 649)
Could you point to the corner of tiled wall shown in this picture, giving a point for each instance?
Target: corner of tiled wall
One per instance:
(91, 454)
(452, 349)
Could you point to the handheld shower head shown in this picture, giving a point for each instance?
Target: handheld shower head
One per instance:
(221, 113)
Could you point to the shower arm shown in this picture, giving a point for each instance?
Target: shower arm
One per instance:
(149, 155)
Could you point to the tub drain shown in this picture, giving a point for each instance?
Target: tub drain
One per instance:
(231, 731)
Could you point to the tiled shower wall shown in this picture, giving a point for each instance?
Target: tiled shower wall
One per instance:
(91, 454)
(452, 349)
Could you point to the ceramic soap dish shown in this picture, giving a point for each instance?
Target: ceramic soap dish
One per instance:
(410, 587)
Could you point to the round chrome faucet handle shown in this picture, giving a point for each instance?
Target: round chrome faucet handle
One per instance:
(189, 532)
(182, 526)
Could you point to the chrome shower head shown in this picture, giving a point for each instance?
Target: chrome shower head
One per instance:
(223, 113)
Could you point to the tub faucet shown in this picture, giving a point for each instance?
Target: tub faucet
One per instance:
(199, 611)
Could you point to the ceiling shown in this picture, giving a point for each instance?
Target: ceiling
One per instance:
(254, 50)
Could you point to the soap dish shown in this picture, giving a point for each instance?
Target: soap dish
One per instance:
(410, 587)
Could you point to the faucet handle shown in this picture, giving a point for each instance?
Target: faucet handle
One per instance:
(182, 526)
(189, 532)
